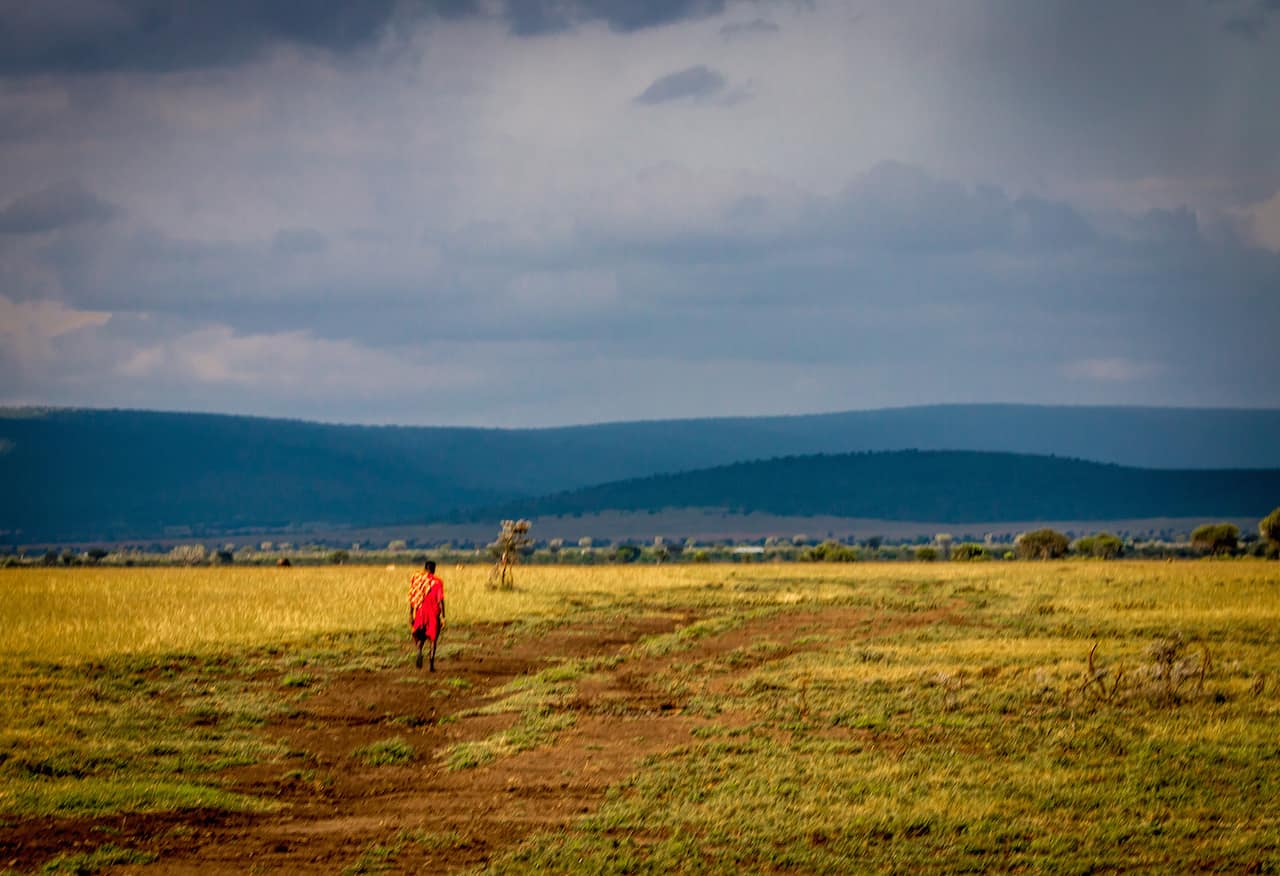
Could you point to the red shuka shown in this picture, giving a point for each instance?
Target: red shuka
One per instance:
(426, 592)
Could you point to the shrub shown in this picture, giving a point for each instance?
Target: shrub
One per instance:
(1269, 527)
(926, 554)
(968, 552)
(626, 553)
(188, 554)
(831, 552)
(1102, 545)
(1216, 538)
(1042, 544)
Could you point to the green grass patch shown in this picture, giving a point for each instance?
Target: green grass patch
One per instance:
(385, 752)
(88, 863)
(100, 796)
(533, 729)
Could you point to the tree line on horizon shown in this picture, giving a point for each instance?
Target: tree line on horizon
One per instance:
(1221, 539)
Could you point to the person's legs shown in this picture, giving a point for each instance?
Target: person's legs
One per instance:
(435, 640)
(420, 638)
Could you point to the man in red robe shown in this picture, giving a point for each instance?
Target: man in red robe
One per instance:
(426, 610)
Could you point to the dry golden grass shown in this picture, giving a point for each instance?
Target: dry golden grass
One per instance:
(70, 613)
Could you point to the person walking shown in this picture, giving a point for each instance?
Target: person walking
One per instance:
(426, 610)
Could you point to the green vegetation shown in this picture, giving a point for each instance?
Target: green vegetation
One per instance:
(384, 752)
(1216, 538)
(968, 552)
(947, 747)
(938, 717)
(1102, 545)
(831, 552)
(88, 863)
(1042, 544)
(1269, 528)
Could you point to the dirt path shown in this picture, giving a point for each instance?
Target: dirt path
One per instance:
(336, 812)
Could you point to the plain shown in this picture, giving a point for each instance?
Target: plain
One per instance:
(1058, 717)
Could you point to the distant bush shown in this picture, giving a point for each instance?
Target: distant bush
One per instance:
(626, 553)
(926, 554)
(1216, 538)
(188, 554)
(968, 552)
(1042, 544)
(1269, 528)
(831, 552)
(1102, 545)
(339, 557)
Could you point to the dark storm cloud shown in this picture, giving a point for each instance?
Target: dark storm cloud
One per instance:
(90, 36)
(94, 36)
(695, 82)
(529, 17)
(57, 206)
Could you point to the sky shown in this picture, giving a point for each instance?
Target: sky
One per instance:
(541, 212)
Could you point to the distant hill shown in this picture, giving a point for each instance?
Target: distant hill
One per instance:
(134, 474)
(945, 486)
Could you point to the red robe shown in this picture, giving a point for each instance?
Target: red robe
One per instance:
(426, 592)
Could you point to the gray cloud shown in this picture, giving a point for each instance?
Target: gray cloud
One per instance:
(57, 206)
(993, 219)
(299, 241)
(694, 82)
(1250, 20)
(755, 27)
(94, 36)
(528, 17)
(89, 36)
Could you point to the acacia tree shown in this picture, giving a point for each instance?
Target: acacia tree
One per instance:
(512, 543)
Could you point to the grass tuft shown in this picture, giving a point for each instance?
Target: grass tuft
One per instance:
(385, 752)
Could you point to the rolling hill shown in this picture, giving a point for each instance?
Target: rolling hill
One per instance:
(943, 486)
(110, 474)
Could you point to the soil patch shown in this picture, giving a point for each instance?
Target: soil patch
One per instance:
(337, 810)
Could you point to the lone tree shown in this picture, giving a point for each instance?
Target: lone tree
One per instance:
(1269, 527)
(1216, 538)
(512, 543)
(1042, 544)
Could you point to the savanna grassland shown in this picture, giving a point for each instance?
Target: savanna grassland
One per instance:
(1049, 717)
